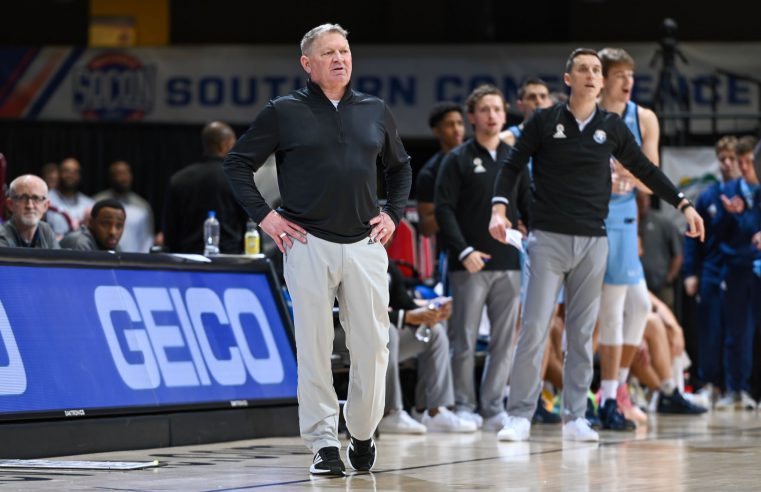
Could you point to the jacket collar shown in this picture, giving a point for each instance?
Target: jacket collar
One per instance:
(313, 88)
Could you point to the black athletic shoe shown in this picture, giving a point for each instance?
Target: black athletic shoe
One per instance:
(612, 418)
(327, 461)
(361, 454)
(677, 403)
(544, 416)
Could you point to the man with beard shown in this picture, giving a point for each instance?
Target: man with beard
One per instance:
(28, 201)
(138, 230)
(103, 231)
(72, 205)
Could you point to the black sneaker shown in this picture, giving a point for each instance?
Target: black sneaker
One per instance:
(612, 418)
(361, 454)
(677, 403)
(544, 416)
(327, 461)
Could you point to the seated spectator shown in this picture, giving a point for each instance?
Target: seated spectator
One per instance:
(28, 201)
(138, 230)
(67, 199)
(104, 230)
(434, 370)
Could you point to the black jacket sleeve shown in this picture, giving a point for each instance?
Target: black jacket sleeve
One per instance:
(396, 168)
(446, 198)
(247, 156)
(517, 159)
(631, 156)
(523, 197)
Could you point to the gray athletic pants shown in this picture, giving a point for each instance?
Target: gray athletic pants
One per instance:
(434, 381)
(316, 274)
(500, 292)
(578, 263)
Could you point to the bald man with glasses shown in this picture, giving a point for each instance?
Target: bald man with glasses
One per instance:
(28, 200)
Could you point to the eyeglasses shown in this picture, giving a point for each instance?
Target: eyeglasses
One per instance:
(25, 198)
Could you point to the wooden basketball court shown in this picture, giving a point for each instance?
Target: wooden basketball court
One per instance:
(712, 452)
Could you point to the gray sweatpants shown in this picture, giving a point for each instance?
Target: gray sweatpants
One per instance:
(500, 292)
(578, 263)
(316, 274)
(434, 386)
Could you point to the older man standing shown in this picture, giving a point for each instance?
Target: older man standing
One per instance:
(28, 201)
(326, 138)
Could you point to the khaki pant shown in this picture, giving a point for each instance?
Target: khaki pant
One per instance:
(316, 274)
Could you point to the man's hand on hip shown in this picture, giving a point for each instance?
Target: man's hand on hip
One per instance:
(383, 228)
(282, 230)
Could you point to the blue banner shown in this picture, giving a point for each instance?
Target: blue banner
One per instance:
(80, 339)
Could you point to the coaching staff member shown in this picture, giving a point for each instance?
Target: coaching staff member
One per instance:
(326, 138)
(571, 145)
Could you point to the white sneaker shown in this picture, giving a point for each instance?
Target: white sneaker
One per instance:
(446, 421)
(399, 422)
(516, 429)
(746, 402)
(471, 416)
(727, 402)
(495, 423)
(418, 416)
(579, 430)
(703, 397)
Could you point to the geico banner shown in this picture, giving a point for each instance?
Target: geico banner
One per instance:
(233, 82)
(76, 340)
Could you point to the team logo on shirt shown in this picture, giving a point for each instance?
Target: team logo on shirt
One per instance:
(559, 131)
(712, 210)
(600, 136)
(478, 165)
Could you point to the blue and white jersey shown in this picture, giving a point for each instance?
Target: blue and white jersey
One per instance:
(624, 206)
(624, 267)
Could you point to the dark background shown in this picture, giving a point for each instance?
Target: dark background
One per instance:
(45, 22)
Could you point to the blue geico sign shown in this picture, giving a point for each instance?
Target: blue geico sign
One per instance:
(110, 338)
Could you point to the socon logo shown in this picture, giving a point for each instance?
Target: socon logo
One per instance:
(114, 86)
(12, 375)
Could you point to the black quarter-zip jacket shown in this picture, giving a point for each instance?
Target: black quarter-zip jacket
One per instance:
(571, 170)
(326, 162)
(463, 205)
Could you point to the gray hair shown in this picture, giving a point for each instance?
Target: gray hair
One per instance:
(314, 33)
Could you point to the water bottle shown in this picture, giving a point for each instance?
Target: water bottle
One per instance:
(211, 235)
(252, 240)
(423, 332)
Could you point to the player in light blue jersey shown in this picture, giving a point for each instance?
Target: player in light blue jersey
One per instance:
(625, 303)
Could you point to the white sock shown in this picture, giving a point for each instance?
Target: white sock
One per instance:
(609, 388)
(623, 375)
(668, 386)
(677, 369)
